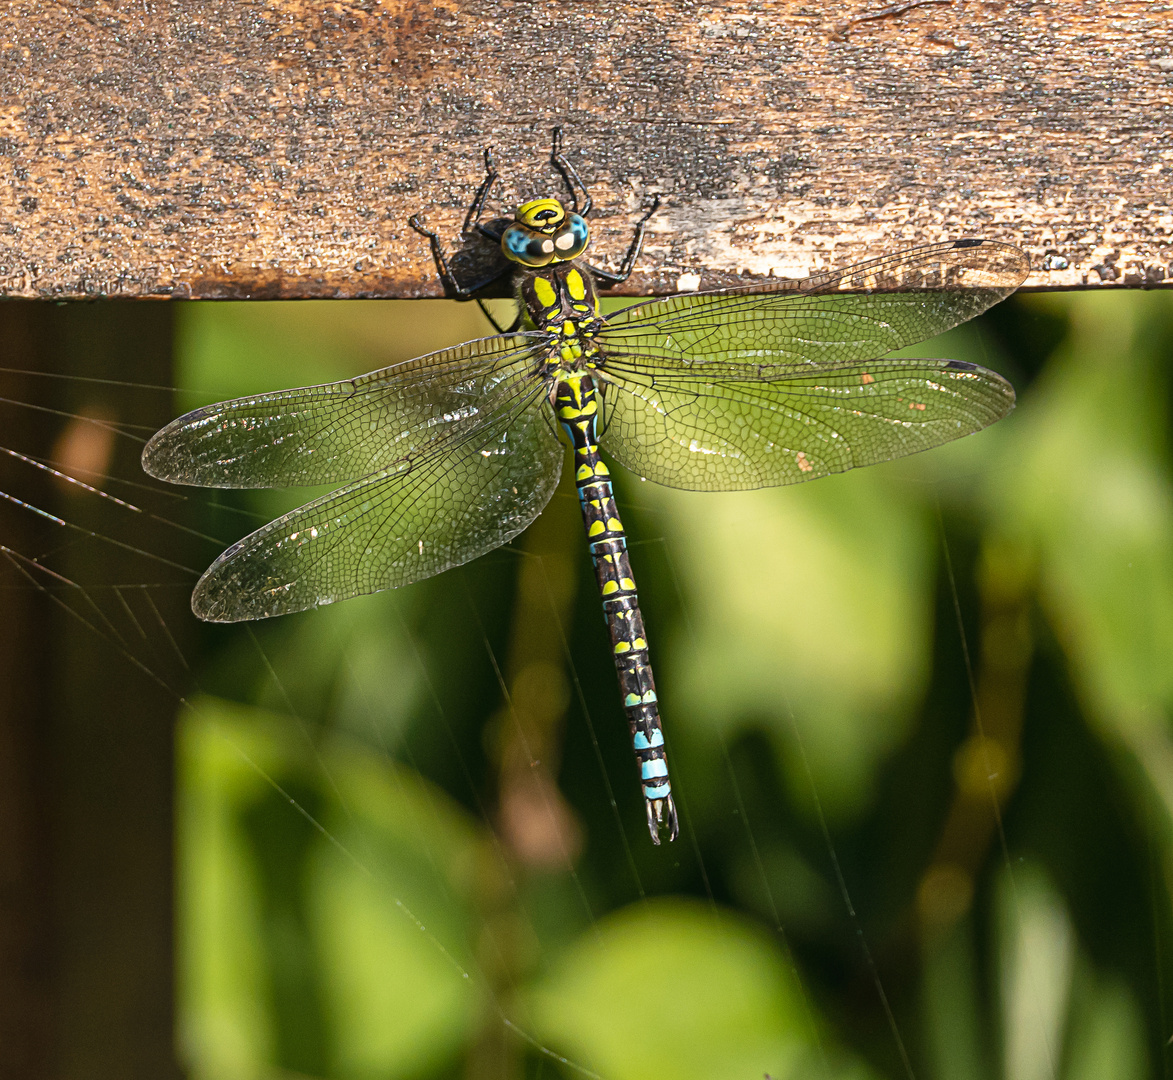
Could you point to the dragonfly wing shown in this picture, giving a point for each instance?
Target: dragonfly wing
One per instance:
(461, 497)
(829, 319)
(339, 431)
(726, 434)
(752, 388)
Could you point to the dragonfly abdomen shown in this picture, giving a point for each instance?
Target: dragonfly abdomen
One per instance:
(576, 404)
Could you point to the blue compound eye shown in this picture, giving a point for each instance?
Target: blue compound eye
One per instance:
(529, 248)
(571, 240)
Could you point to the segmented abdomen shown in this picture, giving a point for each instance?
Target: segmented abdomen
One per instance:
(576, 404)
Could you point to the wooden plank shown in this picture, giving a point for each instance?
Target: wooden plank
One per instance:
(275, 148)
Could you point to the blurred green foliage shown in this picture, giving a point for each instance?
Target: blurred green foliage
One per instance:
(919, 723)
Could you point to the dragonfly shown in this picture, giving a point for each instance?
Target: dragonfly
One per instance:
(447, 456)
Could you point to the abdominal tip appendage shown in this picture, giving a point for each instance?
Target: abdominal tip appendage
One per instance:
(661, 813)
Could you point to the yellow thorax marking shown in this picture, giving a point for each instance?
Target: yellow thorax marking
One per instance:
(545, 293)
(575, 285)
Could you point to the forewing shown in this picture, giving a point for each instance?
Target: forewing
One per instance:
(722, 435)
(752, 388)
(464, 496)
(826, 320)
(344, 430)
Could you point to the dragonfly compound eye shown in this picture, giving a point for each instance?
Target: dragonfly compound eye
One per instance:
(571, 240)
(525, 246)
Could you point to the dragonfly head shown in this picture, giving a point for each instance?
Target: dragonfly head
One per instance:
(544, 232)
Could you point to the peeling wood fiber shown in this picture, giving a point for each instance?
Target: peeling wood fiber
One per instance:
(276, 148)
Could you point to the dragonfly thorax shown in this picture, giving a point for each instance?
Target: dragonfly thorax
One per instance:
(562, 300)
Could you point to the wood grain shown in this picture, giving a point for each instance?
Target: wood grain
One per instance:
(276, 148)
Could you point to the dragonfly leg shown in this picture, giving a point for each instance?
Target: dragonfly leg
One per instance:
(451, 285)
(473, 218)
(472, 223)
(496, 325)
(569, 177)
(607, 277)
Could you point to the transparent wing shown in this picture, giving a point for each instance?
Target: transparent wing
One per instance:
(744, 389)
(463, 496)
(340, 431)
(859, 313)
(723, 435)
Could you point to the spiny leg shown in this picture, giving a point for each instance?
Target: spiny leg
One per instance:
(471, 222)
(447, 278)
(473, 217)
(637, 242)
(569, 176)
(517, 321)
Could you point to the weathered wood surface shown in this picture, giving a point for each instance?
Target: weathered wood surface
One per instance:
(275, 148)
